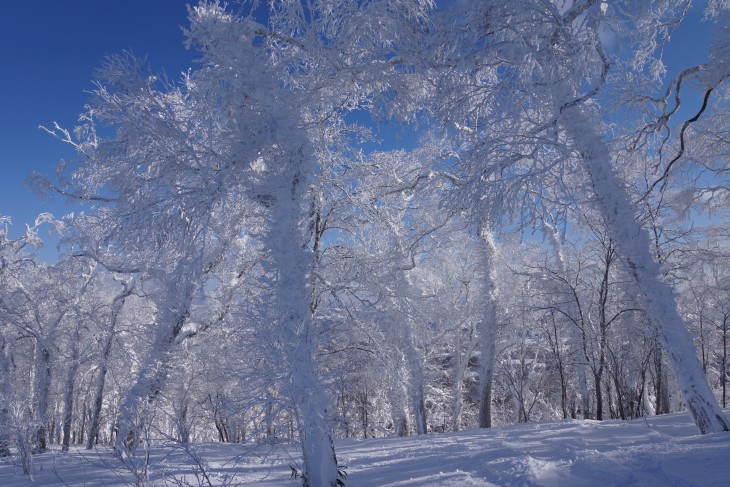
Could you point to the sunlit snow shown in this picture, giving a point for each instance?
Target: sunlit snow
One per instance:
(658, 451)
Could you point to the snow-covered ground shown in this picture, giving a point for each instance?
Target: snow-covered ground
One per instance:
(659, 451)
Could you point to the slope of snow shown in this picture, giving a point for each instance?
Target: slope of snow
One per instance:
(659, 451)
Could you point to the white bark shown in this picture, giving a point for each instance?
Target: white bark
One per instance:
(396, 391)
(415, 372)
(174, 310)
(633, 244)
(296, 330)
(487, 329)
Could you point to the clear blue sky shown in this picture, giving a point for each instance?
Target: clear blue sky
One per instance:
(50, 49)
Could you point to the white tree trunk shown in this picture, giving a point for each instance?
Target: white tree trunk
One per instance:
(296, 331)
(174, 310)
(415, 385)
(633, 244)
(396, 391)
(487, 329)
(417, 395)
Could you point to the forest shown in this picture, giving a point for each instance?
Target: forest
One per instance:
(363, 219)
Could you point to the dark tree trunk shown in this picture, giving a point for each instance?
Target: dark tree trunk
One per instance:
(68, 410)
(599, 396)
(661, 391)
(485, 405)
(43, 385)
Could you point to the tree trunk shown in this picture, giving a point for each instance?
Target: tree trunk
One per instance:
(269, 417)
(84, 418)
(634, 249)
(364, 400)
(295, 329)
(117, 305)
(398, 412)
(220, 425)
(457, 385)
(396, 392)
(554, 338)
(182, 424)
(620, 394)
(42, 391)
(98, 400)
(68, 399)
(174, 310)
(487, 329)
(419, 406)
(415, 385)
(662, 389)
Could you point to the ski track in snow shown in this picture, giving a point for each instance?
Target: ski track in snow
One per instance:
(660, 451)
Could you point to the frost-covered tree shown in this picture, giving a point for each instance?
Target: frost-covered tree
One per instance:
(14, 256)
(532, 74)
(180, 156)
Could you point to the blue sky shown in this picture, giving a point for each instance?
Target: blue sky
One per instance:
(50, 49)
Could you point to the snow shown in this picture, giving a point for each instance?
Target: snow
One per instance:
(657, 451)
